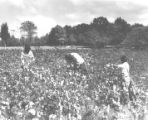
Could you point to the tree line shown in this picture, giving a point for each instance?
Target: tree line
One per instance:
(27, 29)
(98, 33)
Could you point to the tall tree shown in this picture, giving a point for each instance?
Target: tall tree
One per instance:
(136, 25)
(122, 25)
(29, 30)
(5, 34)
(68, 29)
(138, 37)
(81, 28)
(121, 28)
(57, 36)
(100, 23)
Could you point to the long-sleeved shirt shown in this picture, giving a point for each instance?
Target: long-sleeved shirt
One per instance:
(125, 68)
(27, 58)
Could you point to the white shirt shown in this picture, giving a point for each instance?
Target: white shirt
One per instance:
(125, 69)
(78, 58)
(27, 58)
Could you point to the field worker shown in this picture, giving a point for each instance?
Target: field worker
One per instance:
(27, 56)
(125, 68)
(75, 61)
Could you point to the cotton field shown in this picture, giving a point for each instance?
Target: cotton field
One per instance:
(50, 91)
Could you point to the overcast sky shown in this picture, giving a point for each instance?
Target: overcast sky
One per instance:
(47, 13)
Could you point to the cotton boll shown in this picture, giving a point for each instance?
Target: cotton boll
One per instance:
(32, 111)
(35, 119)
(31, 104)
(52, 116)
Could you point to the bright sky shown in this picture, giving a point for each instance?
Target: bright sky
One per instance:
(47, 13)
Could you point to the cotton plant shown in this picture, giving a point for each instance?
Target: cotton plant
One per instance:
(49, 91)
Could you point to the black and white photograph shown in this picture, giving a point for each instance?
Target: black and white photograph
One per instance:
(73, 60)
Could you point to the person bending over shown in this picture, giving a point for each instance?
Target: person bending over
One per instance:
(75, 61)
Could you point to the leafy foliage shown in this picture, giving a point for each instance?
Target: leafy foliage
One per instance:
(138, 37)
(29, 30)
(97, 34)
(5, 34)
(57, 36)
(49, 90)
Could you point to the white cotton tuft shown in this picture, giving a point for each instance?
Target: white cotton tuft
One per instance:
(32, 111)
